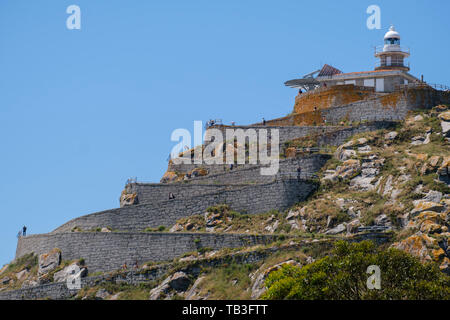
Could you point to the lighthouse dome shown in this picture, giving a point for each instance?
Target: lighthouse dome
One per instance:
(392, 34)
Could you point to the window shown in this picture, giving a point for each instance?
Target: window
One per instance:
(392, 41)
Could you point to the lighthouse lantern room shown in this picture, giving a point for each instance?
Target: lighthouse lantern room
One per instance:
(392, 55)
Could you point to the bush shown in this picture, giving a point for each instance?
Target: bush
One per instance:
(342, 276)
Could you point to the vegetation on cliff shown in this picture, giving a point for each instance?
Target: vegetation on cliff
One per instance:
(342, 276)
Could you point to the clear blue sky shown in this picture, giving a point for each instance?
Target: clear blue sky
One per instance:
(83, 110)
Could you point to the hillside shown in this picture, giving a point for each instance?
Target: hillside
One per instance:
(389, 185)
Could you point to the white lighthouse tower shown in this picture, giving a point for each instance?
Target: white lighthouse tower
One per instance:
(392, 56)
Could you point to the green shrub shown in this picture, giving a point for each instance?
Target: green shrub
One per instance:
(342, 276)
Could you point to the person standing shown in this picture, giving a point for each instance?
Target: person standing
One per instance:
(24, 231)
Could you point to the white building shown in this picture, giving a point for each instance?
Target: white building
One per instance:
(390, 71)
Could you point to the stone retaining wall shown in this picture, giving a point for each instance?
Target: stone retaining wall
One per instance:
(110, 251)
(259, 198)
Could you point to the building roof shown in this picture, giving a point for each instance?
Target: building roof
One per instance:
(328, 70)
(392, 34)
(373, 73)
(360, 72)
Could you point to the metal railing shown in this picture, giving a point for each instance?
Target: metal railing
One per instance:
(380, 49)
(394, 63)
(413, 85)
(313, 150)
(295, 175)
(213, 122)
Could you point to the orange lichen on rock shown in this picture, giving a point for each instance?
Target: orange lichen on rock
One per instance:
(200, 172)
(330, 97)
(438, 254)
(415, 245)
(302, 119)
(169, 176)
(391, 100)
(291, 152)
(127, 199)
(430, 227)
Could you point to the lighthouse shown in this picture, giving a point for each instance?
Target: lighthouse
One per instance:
(392, 56)
(391, 71)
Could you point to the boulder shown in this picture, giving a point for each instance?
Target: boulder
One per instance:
(445, 116)
(361, 141)
(364, 149)
(294, 224)
(445, 266)
(213, 219)
(438, 254)
(440, 108)
(338, 229)
(259, 277)
(348, 169)
(331, 220)
(434, 161)
(352, 227)
(383, 220)
(417, 141)
(421, 206)
(427, 139)
(415, 245)
(418, 118)
(128, 199)
(199, 172)
(176, 228)
(194, 291)
(433, 196)
(292, 214)
(49, 261)
(272, 228)
(388, 187)
(345, 154)
(160, 291)
(429, 227)
(330, 175)
(391, 135)
(431, 216)
(22, 275)
(169, 176)
(102, 294)
(179, 281)
(444, 170)
(445, 127)
(5, 280)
